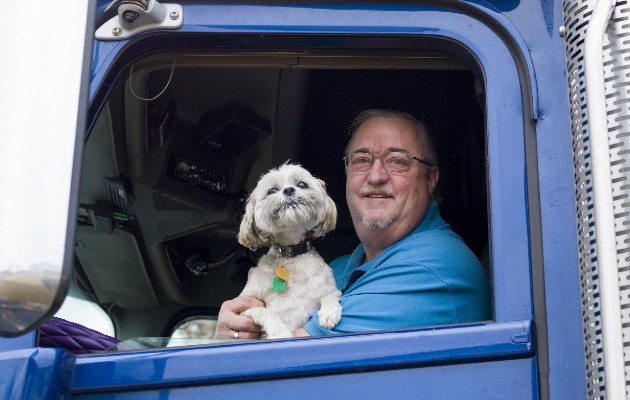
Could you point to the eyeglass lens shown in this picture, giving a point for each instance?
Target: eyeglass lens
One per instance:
(394, 161)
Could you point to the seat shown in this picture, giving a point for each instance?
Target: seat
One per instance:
(76, 338)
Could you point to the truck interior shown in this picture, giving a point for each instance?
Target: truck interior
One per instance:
(180, 138)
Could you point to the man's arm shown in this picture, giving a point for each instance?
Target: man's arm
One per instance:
(300, 333)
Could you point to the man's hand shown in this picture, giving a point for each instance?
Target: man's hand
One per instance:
(231, 325)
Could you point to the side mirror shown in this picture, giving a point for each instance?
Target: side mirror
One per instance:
(44, 81)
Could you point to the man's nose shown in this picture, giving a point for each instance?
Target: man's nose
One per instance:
(377, 173)
(289, 191)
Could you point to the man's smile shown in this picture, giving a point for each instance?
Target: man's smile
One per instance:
(374, 193)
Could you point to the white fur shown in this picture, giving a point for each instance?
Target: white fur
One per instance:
(288, 206)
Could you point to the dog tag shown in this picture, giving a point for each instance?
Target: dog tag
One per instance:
(282, 273)
(278, 285)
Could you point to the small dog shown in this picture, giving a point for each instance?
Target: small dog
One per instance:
(287, 208)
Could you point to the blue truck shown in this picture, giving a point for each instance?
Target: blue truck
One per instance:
(131, 132)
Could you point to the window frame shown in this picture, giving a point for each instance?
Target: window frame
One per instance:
(504, 68)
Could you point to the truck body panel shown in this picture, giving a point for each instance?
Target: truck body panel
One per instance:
(521, 149)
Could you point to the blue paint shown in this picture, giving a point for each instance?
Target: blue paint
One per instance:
(35, 373)
(304, 357)
(26, 341)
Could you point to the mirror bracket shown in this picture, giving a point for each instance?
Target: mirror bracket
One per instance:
(137, 16)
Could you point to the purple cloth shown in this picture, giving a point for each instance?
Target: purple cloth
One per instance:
(57, 332)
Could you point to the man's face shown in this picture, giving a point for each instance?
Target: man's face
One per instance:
(382, 202)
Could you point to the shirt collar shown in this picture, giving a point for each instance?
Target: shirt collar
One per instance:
(353, 269)
(429, 222)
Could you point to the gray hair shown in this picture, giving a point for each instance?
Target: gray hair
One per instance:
(422, 130)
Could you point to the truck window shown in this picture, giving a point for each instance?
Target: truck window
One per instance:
(162, 192)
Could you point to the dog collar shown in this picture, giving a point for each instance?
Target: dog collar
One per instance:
(295, 250)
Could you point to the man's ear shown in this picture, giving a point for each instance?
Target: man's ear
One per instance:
(433, 176)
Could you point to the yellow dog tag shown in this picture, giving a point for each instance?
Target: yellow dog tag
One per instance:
(282, 273)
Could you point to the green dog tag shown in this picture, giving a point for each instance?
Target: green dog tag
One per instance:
(278, 285)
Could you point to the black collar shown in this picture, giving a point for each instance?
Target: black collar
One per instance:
(294, 250)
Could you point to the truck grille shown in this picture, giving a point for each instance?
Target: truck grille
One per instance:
(577, 14)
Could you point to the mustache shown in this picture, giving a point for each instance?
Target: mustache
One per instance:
(382, 190)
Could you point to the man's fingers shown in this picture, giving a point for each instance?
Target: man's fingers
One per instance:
(245, 324)
(250, 302)
(240, 304)
(230, 320)
(248, 335)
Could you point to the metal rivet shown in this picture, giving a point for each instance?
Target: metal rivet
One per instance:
(562, 30)
(174, 15)
(116, 31)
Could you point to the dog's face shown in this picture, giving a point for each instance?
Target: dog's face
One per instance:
(287, 205)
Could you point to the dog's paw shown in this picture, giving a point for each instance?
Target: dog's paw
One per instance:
(255, 313)
(279, 334)
(270, 323)
(329, 315)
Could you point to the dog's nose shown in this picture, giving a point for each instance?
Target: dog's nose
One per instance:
(289, 191)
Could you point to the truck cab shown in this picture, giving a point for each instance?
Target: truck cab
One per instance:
(182, 107)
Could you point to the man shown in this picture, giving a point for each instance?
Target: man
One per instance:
(410, 268)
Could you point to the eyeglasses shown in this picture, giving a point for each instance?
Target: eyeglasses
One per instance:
(393, 161)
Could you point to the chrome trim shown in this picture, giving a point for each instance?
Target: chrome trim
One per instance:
(600, 122)
(606, 244)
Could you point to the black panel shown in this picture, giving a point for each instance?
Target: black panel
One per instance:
(445, 100)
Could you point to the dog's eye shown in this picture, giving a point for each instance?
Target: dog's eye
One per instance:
(302, 185)
(272, 191)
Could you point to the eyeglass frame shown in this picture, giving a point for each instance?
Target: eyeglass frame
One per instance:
(374, 158)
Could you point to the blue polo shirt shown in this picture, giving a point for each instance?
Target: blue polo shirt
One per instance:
(429, 277)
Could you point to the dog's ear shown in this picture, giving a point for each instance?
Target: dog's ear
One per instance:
(330, 213)
(247, 234)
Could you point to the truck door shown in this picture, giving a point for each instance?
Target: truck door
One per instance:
(217, 43)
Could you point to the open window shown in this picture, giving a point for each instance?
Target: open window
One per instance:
(166, 183)
(184, 136)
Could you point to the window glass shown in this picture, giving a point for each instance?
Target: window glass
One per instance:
(195, 328)
(79, 309)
